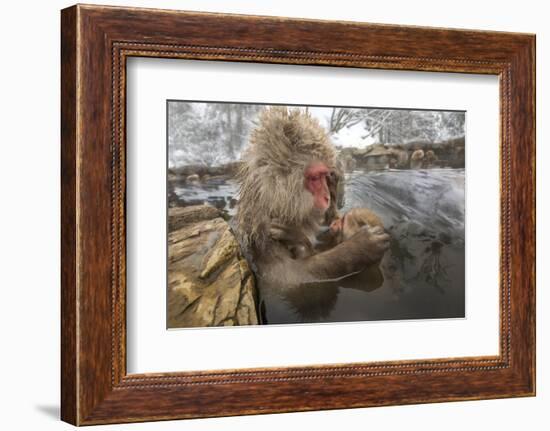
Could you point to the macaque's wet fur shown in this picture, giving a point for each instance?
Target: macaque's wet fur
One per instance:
(287, 172)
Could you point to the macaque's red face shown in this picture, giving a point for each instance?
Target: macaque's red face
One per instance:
(316, 182)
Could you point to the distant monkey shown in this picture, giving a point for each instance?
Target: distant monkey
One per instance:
(416, 159)
(429, 159)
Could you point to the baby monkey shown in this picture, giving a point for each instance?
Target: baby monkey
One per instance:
(349, 224)
(340, 230)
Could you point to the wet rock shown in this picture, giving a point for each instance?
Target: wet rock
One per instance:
(410, 155)
(193, 178)
(209, 281)
(182, 172)
(182, 216)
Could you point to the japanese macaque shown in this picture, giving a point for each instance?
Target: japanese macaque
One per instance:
(299, 245)
(416, 159)
(285, 198)
(429, 159)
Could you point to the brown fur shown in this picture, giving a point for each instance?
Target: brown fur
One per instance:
(272, 175)
(356, 219)
(276, 213)
(343, 228)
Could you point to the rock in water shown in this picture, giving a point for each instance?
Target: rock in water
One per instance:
(209, 281)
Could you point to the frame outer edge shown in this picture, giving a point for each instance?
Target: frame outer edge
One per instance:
(523, 207)
(87, 399)
(69, 201)
(533, 53)
(531, 83)
(532, 200)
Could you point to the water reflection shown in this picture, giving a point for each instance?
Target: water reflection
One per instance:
(218, 192)
(315, 302)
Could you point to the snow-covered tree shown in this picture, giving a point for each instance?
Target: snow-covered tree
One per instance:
(208, 134)
(397, 126)
(211, 134)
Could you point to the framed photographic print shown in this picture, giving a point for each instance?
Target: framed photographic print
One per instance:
(214, 153)
(334, 214)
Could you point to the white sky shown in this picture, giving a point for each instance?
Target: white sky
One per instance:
(347, 137)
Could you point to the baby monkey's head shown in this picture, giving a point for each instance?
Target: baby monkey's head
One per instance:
(349, 224)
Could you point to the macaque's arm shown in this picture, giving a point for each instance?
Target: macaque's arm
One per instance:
(364, 248)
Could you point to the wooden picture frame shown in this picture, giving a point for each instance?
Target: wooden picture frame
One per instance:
(95, 43)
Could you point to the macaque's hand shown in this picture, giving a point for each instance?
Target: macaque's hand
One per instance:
(279, 232)
(373, 242)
